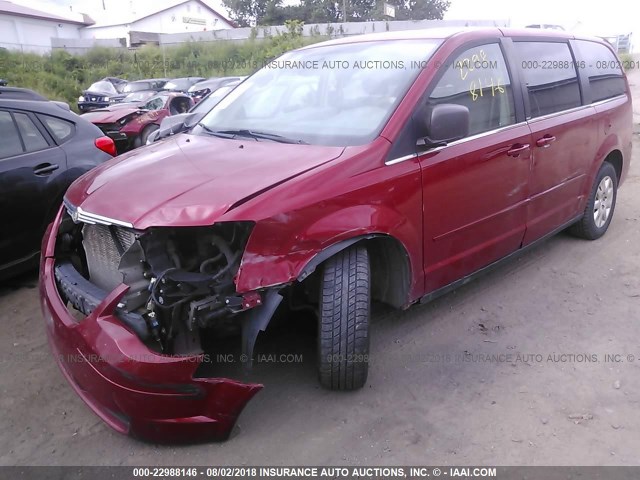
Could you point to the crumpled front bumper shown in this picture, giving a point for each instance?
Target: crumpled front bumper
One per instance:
(133, 389)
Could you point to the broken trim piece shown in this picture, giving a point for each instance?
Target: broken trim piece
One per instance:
(256, 321)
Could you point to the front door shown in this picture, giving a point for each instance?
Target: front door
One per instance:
(475, 190)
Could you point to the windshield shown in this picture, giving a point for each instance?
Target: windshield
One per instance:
(136, 87)
(329, 95)
(138, 96)
(211, 100)
(102, 86)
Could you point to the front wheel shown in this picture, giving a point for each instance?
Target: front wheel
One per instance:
(343, 327)
(142, 138)
(600, 206)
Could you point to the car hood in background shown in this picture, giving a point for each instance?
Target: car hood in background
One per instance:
(108, 115)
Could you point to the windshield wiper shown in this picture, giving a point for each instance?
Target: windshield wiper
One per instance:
(261, 135)
(216, 133)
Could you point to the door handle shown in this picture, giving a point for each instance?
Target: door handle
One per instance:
(45, 168)
(517, 149)
(545, 141)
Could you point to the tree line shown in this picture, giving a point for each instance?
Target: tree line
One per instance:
(274, 12)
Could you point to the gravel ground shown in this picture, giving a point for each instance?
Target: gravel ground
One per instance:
(535, 386)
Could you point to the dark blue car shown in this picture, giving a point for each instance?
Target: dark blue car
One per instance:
(44, 148)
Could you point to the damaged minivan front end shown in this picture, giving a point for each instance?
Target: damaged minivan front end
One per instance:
(142, 285)
(127, 310)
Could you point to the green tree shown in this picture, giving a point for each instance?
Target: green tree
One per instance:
(272, 12)
(251, 12)
(413, 9)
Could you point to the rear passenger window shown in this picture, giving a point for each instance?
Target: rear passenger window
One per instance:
(602, 69)
(478, 79)
(549, 73)
(31, 136)
(11, 144)
(61, 130)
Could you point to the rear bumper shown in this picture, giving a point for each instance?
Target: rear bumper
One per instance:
(133, 389)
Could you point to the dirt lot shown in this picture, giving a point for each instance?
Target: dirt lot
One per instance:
(562, 307)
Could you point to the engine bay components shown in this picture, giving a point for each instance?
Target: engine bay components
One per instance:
(181, 280)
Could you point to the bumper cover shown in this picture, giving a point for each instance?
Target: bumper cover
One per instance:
(133, 389)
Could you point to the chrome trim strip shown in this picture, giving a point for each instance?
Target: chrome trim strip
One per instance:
(484, 134)
(457, 142)
(79, 215)
(607, 100)
(476, 136)
(561, 112)
(401, 159)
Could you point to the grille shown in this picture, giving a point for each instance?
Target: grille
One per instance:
(103, 247)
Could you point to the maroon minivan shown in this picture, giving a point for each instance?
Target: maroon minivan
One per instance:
(389, 167)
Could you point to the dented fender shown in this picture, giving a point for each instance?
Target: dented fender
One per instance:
(272, 259)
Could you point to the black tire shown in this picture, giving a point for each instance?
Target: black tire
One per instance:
(343, 327)
(587, 227)
(142, 138)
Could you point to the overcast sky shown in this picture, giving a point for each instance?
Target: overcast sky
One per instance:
(603, 18)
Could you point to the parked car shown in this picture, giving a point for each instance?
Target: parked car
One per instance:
(181, 84)
(3, 82)
(148, 84)
(435, 156)
(98, 95)
(184, 121)
(202, 89)
(130, 126)
(14, 93)
(107, 91)
(134, 99)
(138, 97)
(44, 148)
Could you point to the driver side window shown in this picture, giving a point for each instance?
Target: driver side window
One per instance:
(479, 80)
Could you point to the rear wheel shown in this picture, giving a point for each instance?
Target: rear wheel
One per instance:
(343, 327)
(600, 206)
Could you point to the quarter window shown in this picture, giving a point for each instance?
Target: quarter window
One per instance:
(479, 80)
(31, 136)
(549, 73)
(11, 144)
(61, 130)
(602, 69)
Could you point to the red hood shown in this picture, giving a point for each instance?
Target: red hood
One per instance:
(190, 180)
(105, 115)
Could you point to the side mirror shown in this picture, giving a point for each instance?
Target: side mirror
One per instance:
(175, 124)
(445, 123)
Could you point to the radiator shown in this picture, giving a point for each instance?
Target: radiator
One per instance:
(103, 247)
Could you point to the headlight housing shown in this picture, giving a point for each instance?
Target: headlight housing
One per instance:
(81, 98)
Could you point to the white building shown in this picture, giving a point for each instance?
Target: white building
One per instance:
(30, 30)
(179, 17)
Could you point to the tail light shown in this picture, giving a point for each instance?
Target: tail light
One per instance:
(106, 145)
